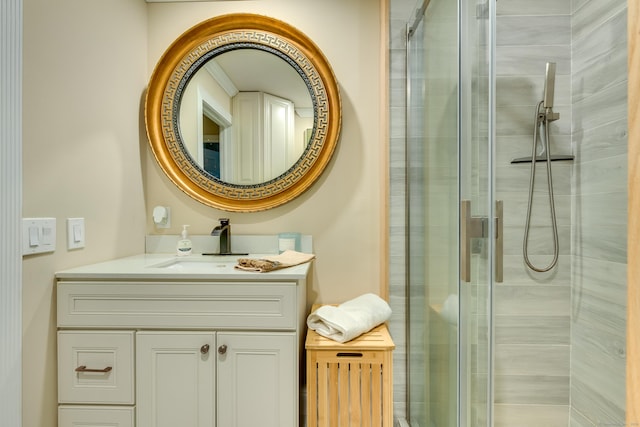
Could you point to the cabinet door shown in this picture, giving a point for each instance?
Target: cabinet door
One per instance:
(257, 380)
(280, 152)
(175, 373)
(242, 157)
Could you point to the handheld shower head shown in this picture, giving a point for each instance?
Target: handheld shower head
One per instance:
(549, 84)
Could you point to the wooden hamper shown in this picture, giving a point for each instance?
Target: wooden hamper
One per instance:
(350, 384)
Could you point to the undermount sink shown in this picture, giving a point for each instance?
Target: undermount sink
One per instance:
(197, 262)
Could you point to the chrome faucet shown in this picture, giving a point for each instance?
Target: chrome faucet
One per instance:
(224, 232)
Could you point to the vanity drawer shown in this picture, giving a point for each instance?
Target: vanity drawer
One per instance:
(92, 416)
(96, 367)
(228, 305)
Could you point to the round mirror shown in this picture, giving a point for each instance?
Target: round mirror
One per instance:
(246, 116)
(243, 112)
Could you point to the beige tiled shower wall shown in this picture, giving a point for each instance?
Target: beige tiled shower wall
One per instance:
(599, 219)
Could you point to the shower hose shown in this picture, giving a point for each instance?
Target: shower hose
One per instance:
(541, 118)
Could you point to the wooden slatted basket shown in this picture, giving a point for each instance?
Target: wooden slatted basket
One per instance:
(350, 384)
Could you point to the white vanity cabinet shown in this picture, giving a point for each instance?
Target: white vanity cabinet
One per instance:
(255, 382)
(185, 350)
(176, 377)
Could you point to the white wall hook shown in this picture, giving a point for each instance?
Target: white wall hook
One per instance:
(162, 216)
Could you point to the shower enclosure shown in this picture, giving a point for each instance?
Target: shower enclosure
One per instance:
(491, 342)
(451, 262)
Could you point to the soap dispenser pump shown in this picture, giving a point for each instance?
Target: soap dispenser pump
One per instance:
(184, 244)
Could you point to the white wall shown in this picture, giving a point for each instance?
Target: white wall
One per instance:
(344, 209)
(11, 196)
(85, 72)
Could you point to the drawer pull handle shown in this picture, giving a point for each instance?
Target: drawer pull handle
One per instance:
(349, 354)
(83, 368)
(222, 349)
(204, 349)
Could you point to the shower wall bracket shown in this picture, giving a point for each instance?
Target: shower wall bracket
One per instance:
(549, 115)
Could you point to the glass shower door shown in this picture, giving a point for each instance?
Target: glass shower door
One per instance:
(451, 257)
(480, 214)
(432, 164)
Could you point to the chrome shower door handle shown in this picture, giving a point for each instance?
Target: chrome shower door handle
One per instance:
(476, 227)
(499, 245)
(470, 227)
(465, 240)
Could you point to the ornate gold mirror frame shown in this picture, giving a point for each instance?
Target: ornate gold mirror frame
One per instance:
(186, 55)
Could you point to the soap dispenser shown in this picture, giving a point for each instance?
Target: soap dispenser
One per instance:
(184, 244)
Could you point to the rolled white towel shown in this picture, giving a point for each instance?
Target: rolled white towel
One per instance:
(450, 309)
(349, 319)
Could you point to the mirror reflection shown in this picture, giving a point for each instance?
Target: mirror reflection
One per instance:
(246, 116)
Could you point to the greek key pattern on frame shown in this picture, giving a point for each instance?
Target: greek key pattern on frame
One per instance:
(191, 63)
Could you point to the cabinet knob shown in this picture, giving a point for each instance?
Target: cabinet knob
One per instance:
(222, 349)
(204, 349)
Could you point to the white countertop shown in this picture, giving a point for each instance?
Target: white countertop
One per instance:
(193, 267)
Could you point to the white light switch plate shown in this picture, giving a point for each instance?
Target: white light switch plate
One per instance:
(75, 233)
(38, 235)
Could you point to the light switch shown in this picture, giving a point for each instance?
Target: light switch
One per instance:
(47, 234)
(75, 233)
(34, 236)
(38, 235)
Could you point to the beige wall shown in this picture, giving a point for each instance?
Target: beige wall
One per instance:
(86, 65)
(343, 209)
(85, 71)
